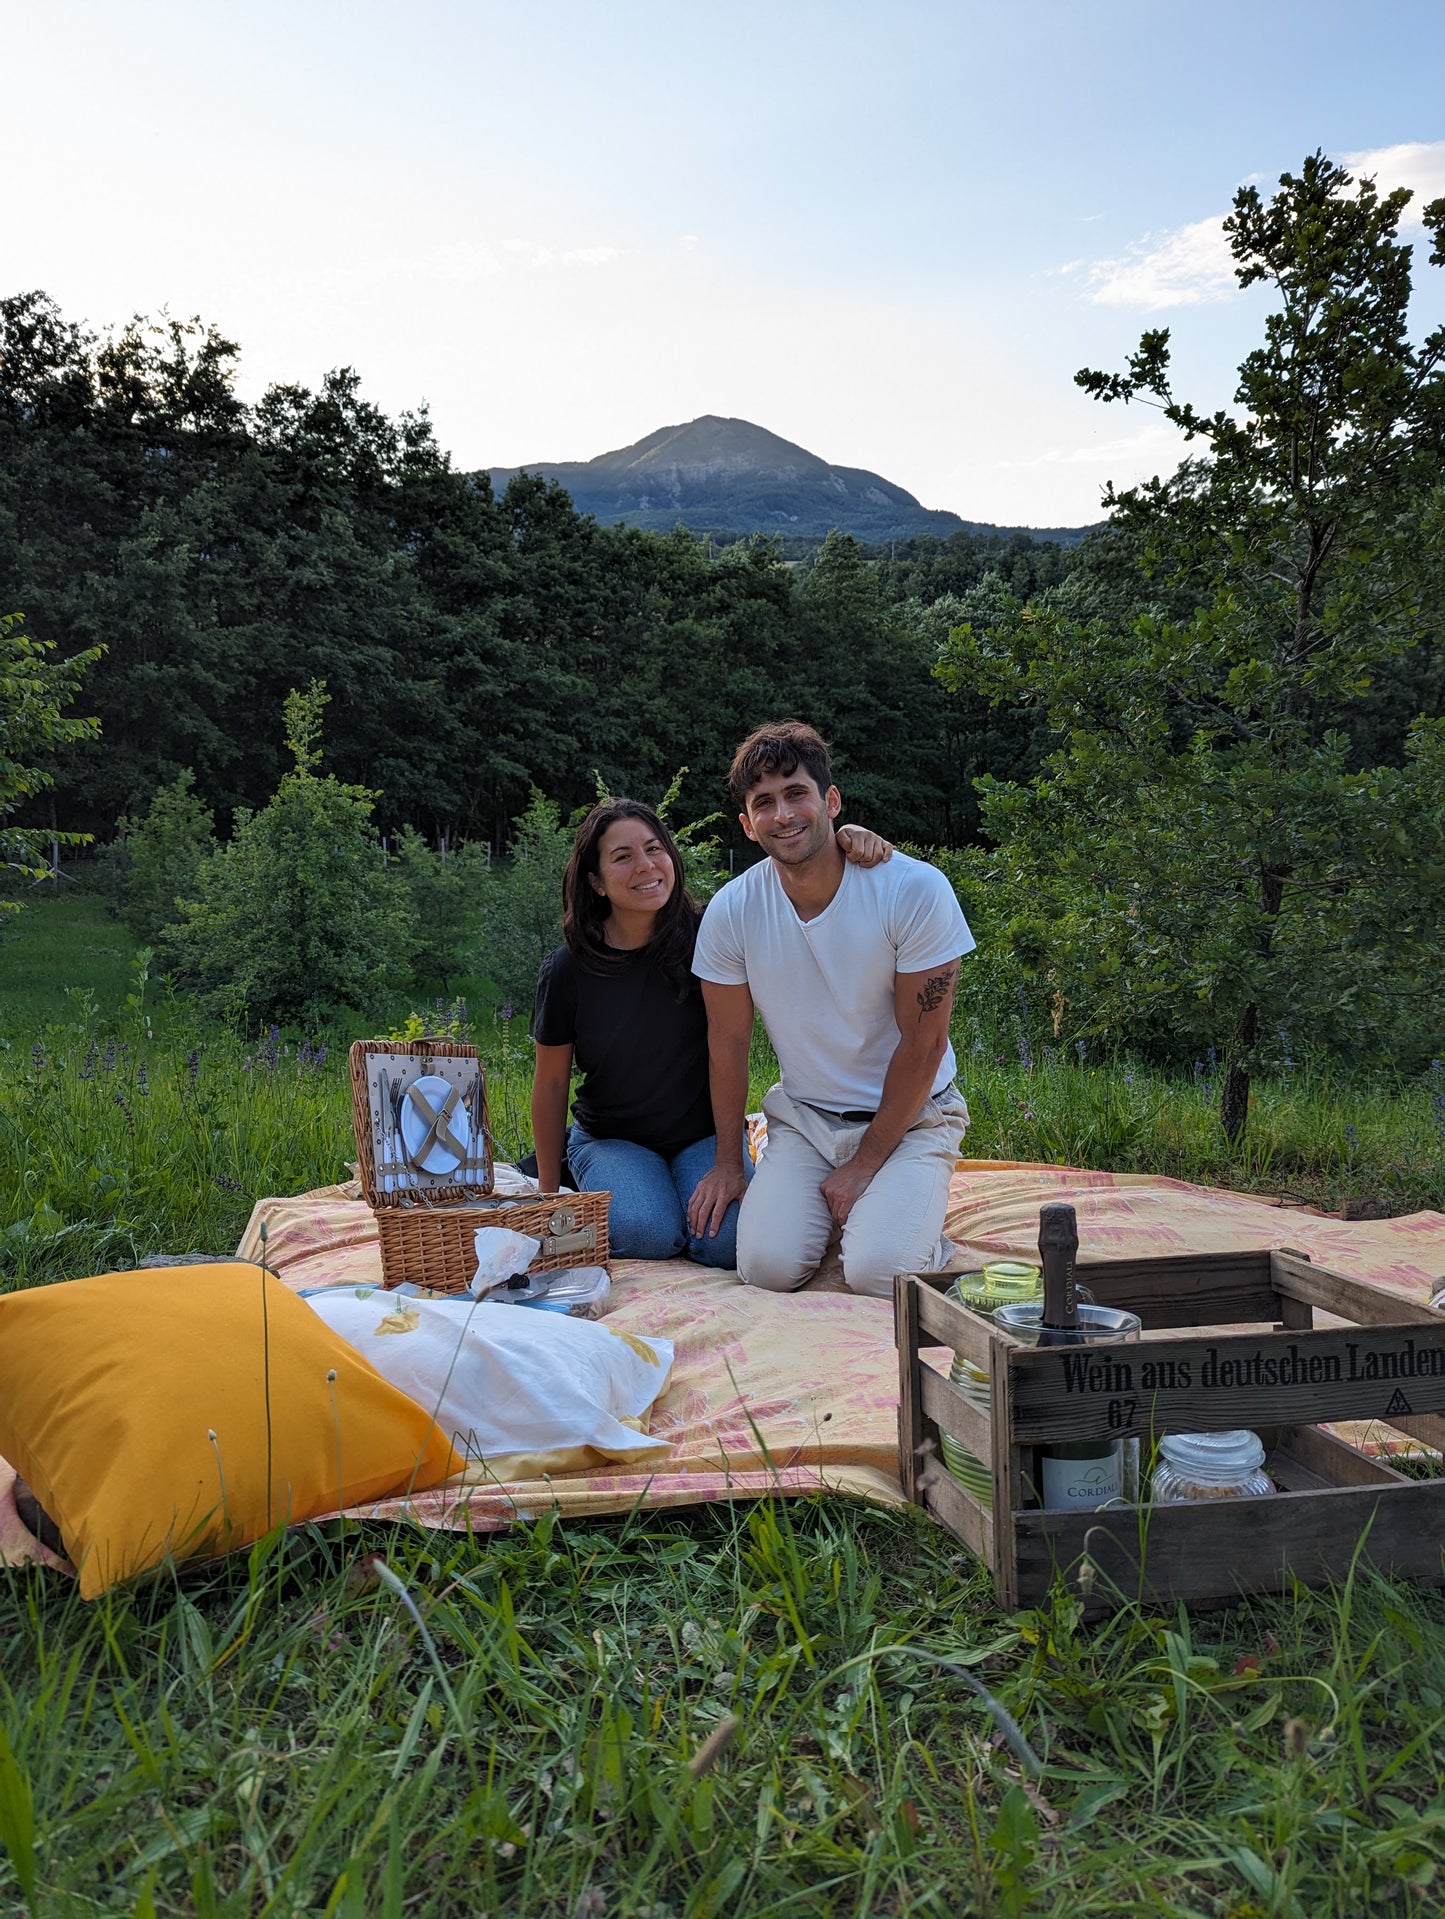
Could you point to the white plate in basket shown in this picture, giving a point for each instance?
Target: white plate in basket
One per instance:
(443, 1155)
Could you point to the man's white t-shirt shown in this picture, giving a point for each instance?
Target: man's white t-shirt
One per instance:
(825, 986)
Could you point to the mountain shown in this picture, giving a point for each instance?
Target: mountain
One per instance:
(728, 476)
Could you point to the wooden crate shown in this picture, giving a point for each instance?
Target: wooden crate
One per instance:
(1261, 1364)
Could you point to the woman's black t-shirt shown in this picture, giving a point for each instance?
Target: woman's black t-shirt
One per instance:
(641, 1049)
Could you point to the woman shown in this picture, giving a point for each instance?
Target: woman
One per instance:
(620, 998)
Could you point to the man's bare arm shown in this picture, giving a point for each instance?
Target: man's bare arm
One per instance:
(922, 1007)
(729, 1041)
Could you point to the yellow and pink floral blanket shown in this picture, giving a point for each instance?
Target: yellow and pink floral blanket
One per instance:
(799, 1393)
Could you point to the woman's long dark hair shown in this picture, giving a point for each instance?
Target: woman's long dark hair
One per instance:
(584, 909)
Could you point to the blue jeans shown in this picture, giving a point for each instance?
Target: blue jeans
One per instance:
(648, 1215)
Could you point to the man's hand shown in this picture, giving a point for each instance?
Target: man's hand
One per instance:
(711, 1197)
(843, 1187)
(863, 848)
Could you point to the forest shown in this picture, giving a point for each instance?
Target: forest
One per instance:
(1189, 777)
(473, 646)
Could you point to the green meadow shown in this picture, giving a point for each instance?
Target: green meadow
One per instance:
(725, 1711)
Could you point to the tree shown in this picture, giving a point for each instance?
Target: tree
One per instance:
(33, 691)
(160, 855)
(1204, 861)
(296, 917)
(520, 904)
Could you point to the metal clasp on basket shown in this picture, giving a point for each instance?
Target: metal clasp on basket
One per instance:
(565, 1236)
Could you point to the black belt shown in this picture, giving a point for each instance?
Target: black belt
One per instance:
(829, 1112)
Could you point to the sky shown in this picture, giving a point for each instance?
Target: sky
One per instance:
(891, 234)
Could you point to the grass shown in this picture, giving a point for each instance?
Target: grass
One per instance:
(274, 1736)
(127, 1127)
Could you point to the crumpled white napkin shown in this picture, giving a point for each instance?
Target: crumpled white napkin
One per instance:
(501, 1255)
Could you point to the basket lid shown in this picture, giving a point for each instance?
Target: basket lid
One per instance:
(420, 1111)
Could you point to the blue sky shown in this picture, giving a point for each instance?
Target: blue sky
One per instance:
(889, 233)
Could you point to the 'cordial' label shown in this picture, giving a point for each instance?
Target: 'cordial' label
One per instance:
(1083, 1484)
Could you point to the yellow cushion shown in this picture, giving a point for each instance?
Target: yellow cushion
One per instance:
(142, 1408)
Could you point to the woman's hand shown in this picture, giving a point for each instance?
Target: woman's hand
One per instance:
(863, 848)
(711, 1197)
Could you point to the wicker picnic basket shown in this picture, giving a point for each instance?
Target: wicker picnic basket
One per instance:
(421, 1102)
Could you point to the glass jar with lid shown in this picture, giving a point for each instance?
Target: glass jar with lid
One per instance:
(1210, 1466)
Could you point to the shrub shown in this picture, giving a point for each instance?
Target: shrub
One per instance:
(520, 904)
(442, 890)
(296, 917)
(159, 856)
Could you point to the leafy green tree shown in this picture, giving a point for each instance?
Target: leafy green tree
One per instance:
(442, 889)
(159, 855)
(296, 917)
(520, 903)
(33, 691)
(1203, 862)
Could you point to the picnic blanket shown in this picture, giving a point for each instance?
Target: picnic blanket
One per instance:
(799, 1392)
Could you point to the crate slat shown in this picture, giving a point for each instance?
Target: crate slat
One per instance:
(1216, 1549)
(1207, 1289)
(1225, 1381)
(1332, 1462)
(1348, 1298)
(952, 1325)
(957, 1509)
(946, 1406)
(906, 1309)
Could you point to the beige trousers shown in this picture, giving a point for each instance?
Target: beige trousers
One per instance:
(896, 1226)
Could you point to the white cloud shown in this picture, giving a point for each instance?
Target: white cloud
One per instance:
(1137, 452)
(1191, 266)
(1417, 164)
(463, 262)
(690, 243)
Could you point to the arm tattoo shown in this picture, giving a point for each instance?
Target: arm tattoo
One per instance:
(937, 989)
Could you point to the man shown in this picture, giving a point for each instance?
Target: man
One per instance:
(853, 971)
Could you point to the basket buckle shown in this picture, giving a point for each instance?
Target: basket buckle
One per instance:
(583, 1240)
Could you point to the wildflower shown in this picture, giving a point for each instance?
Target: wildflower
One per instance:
(506, 1012)
(87, 1071)
(193, 1064)
(37, 1056)
(1081, 1050)
(1284, 1043)
(107, 1058)
(1352, 1138)
(1026, 1057)
(142, 1081)
(1211, 1056)
(978, 1046)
